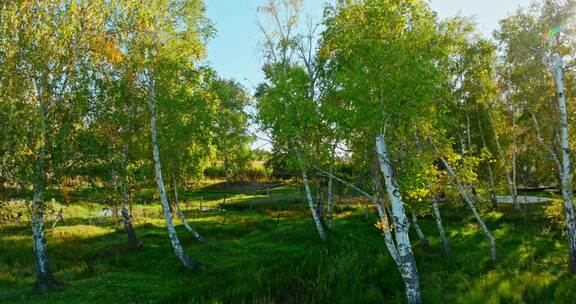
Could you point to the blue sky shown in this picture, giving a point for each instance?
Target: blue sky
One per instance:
(234, 52)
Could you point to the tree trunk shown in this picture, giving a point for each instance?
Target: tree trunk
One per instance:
(320, 201)
(178, 250)
(382, 211)
(423, 239)
(182, 217)
(225, 165)
(470, 204)
(438, 219)
(330, 215)
(435, 208)
(493, 197)
(514, 183)
(407, 263)
(126, 213)
(45, 281)
(567, 194)
(315, 215)
(550, 147)
(58, 218)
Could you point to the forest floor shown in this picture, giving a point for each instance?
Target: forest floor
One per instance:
(264, 249)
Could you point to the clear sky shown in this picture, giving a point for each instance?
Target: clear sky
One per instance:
(234, 52)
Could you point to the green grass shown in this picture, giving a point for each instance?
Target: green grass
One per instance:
(265, 250)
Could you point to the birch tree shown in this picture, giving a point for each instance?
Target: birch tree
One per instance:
(45, 48)
(536, 43)
(166, 42)
(382, 64)
(286, 102)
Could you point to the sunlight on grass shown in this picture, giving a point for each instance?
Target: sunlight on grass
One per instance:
(267, 248)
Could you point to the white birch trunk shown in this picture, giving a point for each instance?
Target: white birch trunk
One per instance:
(407, 263)
(315, 216)
(468, 130)
(178, 250)
(45, 281)
(436, 209)
(382, 213)
(386, 232)
(197, 235)
(421, 235)
(470, 204)
(438, 218)
(567, 194)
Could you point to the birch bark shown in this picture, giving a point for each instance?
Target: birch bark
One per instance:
(421, 235)
(412, 284)
(45, 281)
(438, 218)
(178, 250)
(567, 192)
(470, 204)
(197, 235)
(435, 208)
(382, 211)
(407, 264)
(315, 215)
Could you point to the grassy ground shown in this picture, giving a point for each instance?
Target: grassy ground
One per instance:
(264, 249)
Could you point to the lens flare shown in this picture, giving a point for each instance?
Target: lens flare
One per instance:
(552, 32)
